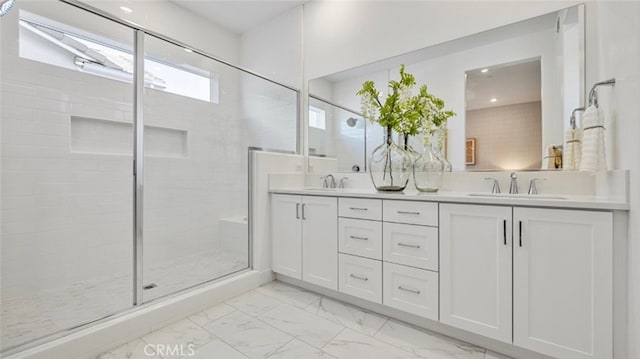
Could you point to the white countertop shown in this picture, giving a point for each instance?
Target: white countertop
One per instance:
(541, 200)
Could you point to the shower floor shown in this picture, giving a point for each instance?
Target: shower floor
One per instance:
(26, 318)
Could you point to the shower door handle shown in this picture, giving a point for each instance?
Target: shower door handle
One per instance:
(297, 210)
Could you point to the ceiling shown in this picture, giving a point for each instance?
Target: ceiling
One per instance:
(239, 16)
(507, 84)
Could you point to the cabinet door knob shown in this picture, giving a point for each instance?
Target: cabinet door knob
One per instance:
(297, 210)
(358, 208)
(303, 216)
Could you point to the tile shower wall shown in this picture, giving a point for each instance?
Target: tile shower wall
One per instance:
(516, 127)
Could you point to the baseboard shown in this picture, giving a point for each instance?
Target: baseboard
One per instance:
(111, 333)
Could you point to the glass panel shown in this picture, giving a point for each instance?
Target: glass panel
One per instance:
(66, 171)
(338, 133)
(195, 153)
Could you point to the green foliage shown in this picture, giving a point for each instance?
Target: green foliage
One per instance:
(401, 111)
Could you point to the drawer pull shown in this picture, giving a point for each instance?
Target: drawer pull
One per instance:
(409, 290)
(358, 277)
(358, 209)
(408, 245)
(405, 212)
(356, 237)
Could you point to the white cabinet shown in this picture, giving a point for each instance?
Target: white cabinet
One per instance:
(360, 237)
(412, 212)
(410, 245)
(361, 277)
(362, 208)
(475, 269)
(563, 282)
(561, 261)
(304, 232)
(411, 289)
(286, 235)
(320, 241)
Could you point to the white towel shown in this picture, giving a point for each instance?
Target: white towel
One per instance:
(572, 149)
(593, 151)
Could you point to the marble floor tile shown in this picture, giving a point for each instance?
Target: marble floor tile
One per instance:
(493, 355)
(183, 333)
(289, 294)
(303, 325)
(350, 344)
(207, 316)
(254, 303)
(216, 349)
(248, 335)
(426, 344)
(297, 349)
(347, 315)
(133, 350)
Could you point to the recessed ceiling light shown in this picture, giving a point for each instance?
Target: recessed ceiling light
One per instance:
(126, 9)
(493, 100)
(484, 70)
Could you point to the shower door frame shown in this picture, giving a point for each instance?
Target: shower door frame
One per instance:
(138, 150)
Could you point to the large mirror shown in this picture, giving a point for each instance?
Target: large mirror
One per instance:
(513, 89)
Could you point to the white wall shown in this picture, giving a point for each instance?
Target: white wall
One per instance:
(163, 17)
(613, 50)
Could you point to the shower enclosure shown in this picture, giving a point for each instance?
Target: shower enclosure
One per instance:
(124, 172)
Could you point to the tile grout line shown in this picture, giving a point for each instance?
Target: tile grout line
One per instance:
(334, 337)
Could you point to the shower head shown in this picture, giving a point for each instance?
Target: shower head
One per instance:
(5, 6)
(351, 121)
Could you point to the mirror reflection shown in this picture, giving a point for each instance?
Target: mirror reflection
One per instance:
(337, 132)
(538, 63)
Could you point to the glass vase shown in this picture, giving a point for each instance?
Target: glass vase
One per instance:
(389, 165)
(404, 144)
(428, 169)
(439, 138)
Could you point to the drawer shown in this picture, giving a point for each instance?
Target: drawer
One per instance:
(410, 245)
(360, 208)
(360, 277)
(411, 290)
(412, 212)
(360, 237)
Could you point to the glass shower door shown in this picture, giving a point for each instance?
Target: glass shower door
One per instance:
(67, 145)
(195, 171)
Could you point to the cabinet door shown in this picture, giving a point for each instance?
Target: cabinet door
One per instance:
(286, 235)
(562, 282)
(320, 241)
(475, 269)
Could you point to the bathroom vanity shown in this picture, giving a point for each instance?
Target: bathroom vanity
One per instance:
(534, 272)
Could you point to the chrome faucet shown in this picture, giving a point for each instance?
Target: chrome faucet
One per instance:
(342, 182)
(513, 187)
(496, 185)
(328, 184)
(532, 185)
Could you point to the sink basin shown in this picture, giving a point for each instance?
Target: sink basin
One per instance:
(517, 196)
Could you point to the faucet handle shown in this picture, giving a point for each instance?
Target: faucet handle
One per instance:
(532, 185)
(342, 181)
(496, 184)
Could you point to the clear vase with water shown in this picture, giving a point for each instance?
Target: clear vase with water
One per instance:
(428, 168)
(389, 165)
